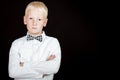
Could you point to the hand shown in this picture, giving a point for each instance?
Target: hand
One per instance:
(51, 57)
(21, 64)
(45, 75)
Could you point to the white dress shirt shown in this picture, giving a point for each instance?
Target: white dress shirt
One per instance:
(34, 54)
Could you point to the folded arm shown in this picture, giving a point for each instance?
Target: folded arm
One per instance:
(50, 66)
(33, 69)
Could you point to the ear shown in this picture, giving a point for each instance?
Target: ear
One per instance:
(45, 23)
(24, 19)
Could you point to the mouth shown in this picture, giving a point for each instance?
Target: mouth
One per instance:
(34, 28)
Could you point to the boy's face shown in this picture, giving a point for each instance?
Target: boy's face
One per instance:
(35, 21)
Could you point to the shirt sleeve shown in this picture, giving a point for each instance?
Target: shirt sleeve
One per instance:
(15, 70)
(51, 66)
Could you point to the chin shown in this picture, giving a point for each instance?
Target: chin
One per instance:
(36, 33)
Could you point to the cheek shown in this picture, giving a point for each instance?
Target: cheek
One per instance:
(40, 27)
(29, 23)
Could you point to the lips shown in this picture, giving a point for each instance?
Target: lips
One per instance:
(34, 28)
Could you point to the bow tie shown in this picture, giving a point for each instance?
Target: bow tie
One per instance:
(30, 37)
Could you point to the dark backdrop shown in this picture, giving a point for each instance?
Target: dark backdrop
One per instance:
(73, 22)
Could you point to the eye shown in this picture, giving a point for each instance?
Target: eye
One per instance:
(39, 19)
(30, 18)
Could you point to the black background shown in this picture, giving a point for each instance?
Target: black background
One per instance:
(73, 22)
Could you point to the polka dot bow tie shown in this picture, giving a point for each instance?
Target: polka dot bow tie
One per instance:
(30, 37)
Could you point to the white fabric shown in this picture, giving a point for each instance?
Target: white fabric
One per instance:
(34, 55)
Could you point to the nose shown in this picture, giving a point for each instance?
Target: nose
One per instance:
(34, 23)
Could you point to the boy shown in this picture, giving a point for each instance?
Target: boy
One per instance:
(35, 56)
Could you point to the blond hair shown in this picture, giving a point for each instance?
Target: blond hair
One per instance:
(38, 5)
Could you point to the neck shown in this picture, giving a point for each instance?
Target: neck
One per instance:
(35, 34)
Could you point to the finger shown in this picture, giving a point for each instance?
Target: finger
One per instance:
(51, 57)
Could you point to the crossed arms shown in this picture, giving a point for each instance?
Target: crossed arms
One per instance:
(34, 69)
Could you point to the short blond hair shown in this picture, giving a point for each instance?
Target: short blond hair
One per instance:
(39, 5)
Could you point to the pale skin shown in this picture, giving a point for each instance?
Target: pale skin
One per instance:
(35, 20)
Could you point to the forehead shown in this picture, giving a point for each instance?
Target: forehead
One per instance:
(35, 12)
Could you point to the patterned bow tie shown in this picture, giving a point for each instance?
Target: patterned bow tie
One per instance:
(30, 37)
